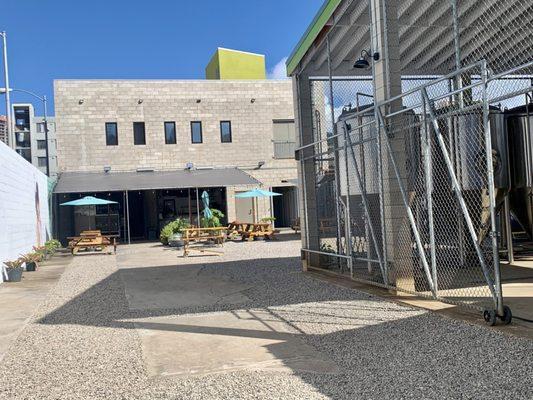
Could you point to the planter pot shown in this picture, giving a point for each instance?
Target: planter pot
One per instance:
(31, 266)
(14, 274)
(176, 240)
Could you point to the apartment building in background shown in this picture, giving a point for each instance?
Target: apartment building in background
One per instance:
(3, 129)
(154, 146)
(29, 133)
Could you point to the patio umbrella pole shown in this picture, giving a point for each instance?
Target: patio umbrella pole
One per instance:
(128, 216)
(197, 208)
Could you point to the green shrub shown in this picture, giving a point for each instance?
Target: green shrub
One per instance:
(176, 226)
(214, 221)
(51, 246)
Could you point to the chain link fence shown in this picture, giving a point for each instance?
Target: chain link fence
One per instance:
(405, 193)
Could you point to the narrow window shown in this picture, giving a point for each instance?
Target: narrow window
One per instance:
(111, 134)
(41, 161)
(225, 131)
(196, 132)
(41, 144)
(139, 137)
(170, 133)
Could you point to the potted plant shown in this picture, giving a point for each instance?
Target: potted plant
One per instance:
(171, 233)
(214, 220)
(326, 261)
(268, 219)
(51, 246)
(32, 260)
(14, 270)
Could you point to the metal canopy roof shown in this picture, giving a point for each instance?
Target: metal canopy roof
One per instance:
(497, 31)
(87, 182)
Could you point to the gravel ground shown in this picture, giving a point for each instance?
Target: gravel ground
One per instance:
(80, 346)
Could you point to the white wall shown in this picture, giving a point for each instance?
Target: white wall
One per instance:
(20, 183)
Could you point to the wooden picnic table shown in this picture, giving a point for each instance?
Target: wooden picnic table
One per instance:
(250, 231)
(216, 235)
(92, 240)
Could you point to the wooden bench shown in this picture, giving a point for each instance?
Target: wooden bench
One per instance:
(202, 235)
(92, 240)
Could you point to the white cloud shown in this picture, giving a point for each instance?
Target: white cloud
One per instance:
(279, 71)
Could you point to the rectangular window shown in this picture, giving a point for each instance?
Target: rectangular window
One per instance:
(225, 131)
(41, 161)
(170, 133)
(41, 144)
(111, 134)
(196, 132)
(139, 137)
(40, 127)
(284, 138)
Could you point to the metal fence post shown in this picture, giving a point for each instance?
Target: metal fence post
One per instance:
(492, 194)
(428, 168)
(336, 159)
(348, 219)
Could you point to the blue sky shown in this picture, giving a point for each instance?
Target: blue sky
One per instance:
(139, 39)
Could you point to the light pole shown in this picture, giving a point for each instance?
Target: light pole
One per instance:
(10, 138)
(45, 119)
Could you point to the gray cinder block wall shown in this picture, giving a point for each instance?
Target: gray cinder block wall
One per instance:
(84, 106)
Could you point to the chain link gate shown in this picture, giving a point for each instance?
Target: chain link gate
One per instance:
(406, 193)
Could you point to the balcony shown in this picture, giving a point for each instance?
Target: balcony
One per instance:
(284, 149)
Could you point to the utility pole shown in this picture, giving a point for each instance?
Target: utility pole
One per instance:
(10, 138)
(46, 137)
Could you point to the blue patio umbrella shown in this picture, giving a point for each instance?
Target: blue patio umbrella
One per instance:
(255, 193)
(205, 201)
(89, 201)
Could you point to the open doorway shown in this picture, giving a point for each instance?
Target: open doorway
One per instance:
(285, 206)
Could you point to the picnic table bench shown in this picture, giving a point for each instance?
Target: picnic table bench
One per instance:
(92, 240)
(203, 235)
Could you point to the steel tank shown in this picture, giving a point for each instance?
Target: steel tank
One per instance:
(520, 136)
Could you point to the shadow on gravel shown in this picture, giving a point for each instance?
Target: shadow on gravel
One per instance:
(382, 350)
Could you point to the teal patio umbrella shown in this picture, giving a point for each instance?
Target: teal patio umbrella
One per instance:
(205, 201)
(89, 201)
(254, 194)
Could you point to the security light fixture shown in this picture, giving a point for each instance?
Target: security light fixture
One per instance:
(107, 169)
(260, 164)
(198, 101)
(189, 166)
(81, 101)
(140, 101)
(362, 61)
(252, 101)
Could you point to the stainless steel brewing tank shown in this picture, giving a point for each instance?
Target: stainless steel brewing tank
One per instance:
(466, 144)
(361, 130)
(520, 135)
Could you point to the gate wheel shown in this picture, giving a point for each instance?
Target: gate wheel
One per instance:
(507, 315)
(490, 317)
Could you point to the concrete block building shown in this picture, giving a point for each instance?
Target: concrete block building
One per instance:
(154, 146)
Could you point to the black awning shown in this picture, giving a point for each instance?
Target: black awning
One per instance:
(86, 182)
